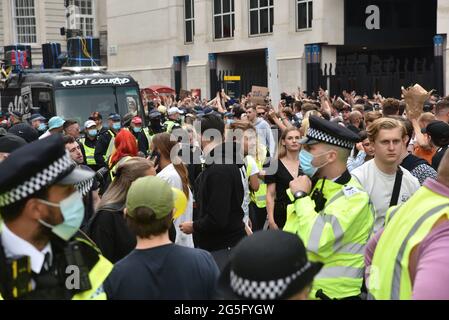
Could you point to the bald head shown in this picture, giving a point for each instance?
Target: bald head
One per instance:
(443, 170)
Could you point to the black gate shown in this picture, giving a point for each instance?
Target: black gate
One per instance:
(384, 76)
(249, 77)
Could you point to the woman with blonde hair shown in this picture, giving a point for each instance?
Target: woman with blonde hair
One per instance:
(288, 169)
(108, 228)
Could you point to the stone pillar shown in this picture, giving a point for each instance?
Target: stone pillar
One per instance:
(438, 41)
(177, 70)
(313, 60)
(213, 75)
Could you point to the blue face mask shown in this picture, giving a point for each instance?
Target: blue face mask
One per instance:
(93, 133)
(229, 122)
(72, 210)
(117, 126)
(42, 127)
(306, 159)
(137, 130)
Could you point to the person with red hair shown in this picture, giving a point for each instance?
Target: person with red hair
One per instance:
(125, 149)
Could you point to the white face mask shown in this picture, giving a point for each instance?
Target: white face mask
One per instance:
(72, 209)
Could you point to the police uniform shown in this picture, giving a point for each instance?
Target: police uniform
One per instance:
(27, 273)
(88, 148)
(406, 226)
(171, 125)
(105, 144)
(154, 127)
(335, 221)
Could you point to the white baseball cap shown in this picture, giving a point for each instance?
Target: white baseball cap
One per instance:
(174, 110)
(89, 124)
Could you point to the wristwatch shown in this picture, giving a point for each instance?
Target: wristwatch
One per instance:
(300, 194)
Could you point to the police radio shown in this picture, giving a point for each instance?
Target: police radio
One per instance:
(319, 199)
(74, 258)
(20, 277)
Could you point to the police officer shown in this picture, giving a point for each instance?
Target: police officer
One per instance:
(39, 123)
(105, 144)
(174, 120)
(331, 212)
(410, 254)
(137, 131)
(42, 255)
(89, 144)
(155, 126)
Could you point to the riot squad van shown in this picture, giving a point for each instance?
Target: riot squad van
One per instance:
(71, 93)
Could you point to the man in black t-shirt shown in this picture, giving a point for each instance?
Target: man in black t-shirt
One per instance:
(158, 269)
(439, 133)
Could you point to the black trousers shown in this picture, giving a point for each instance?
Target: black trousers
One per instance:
(258, 216)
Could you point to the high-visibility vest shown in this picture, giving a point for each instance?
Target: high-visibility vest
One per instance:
(97, 276)
(406, 227)
(113, 170)
(169, 124)
(260, 196)
(111, 147)
(336, 236)
(90, 153)
(149, 135)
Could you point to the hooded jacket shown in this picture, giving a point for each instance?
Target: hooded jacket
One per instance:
(219, 197)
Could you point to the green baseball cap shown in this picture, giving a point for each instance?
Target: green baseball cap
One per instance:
(150, 192)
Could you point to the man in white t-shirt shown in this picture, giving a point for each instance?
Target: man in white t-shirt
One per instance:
(378, 176)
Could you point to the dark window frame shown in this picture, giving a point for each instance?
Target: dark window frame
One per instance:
(309, 15)
(270, 18)
(221, 17)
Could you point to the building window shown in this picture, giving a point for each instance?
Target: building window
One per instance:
(224, 19)
(24, 15)
(261, 16)
(86, 17)
(304, 14)
(189, 19)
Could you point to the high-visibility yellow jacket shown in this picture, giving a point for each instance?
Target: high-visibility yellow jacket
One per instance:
(336, 236)
(406, 227)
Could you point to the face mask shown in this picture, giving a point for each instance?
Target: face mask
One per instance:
(72, 210)
(42, 127)
(306, 159)
(117, 126)
(93, 133)
(137, 130)
(229, 122)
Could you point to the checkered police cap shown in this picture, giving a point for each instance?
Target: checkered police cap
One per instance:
(270, 265)
(324, 131)
(264, 290)
(37, 166)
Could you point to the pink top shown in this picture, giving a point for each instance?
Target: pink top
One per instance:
(429, 269)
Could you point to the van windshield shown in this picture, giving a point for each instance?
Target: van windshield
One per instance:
(78, 104)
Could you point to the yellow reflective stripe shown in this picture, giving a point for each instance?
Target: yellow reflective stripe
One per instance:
(397, 273)
(97, 276)
(391, 214)
(113, 171)
(340, 272)
(111, 146)
(318, 228)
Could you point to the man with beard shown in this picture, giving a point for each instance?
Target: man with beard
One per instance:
(42, 255)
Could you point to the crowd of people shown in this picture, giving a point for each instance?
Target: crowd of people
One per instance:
(320, 197)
